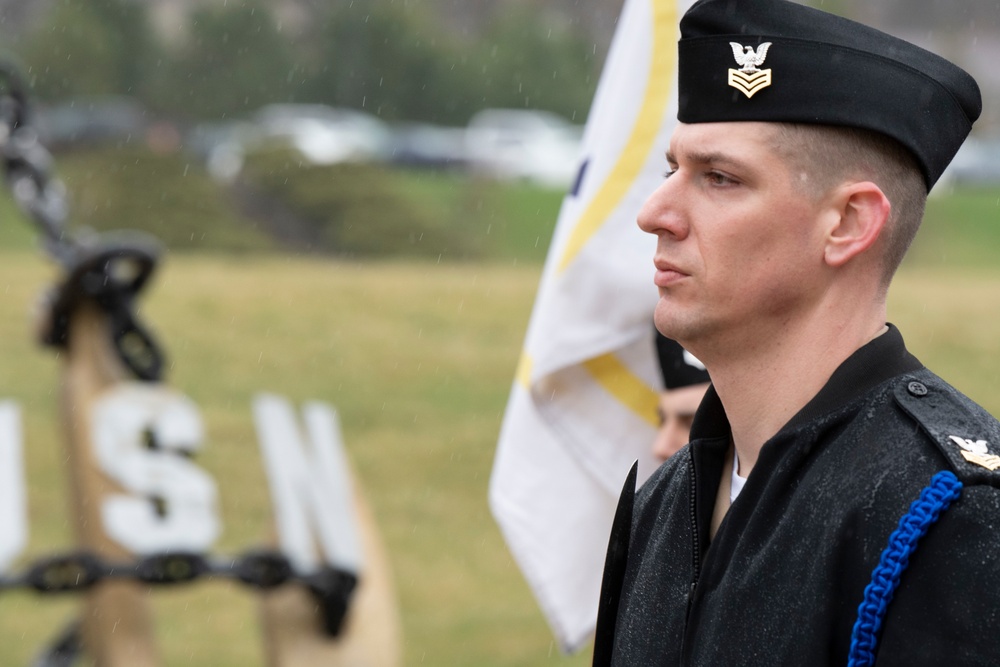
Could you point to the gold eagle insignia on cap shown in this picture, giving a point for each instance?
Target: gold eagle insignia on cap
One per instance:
(749, 79)
(976, 451)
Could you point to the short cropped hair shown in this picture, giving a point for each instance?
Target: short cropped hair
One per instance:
(822, 156)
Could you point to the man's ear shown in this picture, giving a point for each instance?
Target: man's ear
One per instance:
(861, 212)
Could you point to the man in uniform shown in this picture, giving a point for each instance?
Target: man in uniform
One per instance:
(868, 530)
(685, 381)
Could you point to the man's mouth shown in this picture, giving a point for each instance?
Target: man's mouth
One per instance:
(667, 273)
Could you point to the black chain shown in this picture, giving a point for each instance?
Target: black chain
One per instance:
(28, 167)
(262, 569)
(109, 269)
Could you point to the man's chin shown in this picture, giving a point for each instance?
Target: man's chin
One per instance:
(676, 323)
(668, 318)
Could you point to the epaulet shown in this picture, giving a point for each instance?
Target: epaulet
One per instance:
(967, 435)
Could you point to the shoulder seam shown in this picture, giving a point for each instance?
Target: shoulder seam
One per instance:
(968, 439)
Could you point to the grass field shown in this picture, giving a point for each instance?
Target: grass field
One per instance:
(418, 357)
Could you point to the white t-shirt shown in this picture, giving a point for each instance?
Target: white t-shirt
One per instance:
(737, 482)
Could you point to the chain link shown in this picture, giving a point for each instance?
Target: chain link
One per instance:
(28, 168)
(262, 569)
(79, 570)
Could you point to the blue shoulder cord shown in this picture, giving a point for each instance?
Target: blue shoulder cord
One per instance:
(943, 489)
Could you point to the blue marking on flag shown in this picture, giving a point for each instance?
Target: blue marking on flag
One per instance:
(578, 181)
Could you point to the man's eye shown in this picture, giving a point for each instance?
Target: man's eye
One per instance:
(716, 178)
(669, 173)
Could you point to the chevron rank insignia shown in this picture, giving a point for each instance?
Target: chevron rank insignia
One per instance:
(749, 79)
(976, 451)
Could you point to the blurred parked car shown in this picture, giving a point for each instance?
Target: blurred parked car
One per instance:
(524, 144)
(324, 134)
(92, 120)
(222, 145)
(976, 163)
(425, 145)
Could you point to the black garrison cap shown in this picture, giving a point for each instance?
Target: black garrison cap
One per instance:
(779, 61)
(679, 367)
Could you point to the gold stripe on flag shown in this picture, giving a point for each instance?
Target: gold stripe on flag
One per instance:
(648, 123)
(523, 373)
(632, 392)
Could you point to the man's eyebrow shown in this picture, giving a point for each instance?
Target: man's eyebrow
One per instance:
(710, 158)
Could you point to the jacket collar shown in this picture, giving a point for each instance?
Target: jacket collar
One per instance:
(881, 359)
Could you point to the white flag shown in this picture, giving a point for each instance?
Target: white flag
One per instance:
(583, 404)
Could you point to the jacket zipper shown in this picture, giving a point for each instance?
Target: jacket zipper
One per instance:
(696, 555)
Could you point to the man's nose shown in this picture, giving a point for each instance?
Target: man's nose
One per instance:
(662, 211)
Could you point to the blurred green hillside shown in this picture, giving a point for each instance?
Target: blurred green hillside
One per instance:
(961, 230)
(280, 204)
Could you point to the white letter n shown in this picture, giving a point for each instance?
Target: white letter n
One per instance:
(310, 484)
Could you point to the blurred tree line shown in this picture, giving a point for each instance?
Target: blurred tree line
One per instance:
(390, 58)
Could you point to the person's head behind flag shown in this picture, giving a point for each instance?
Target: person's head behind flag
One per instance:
(684, 383)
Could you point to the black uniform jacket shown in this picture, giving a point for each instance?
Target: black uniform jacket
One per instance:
(781, 582)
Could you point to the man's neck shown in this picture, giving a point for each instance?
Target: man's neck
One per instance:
(762, 389)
